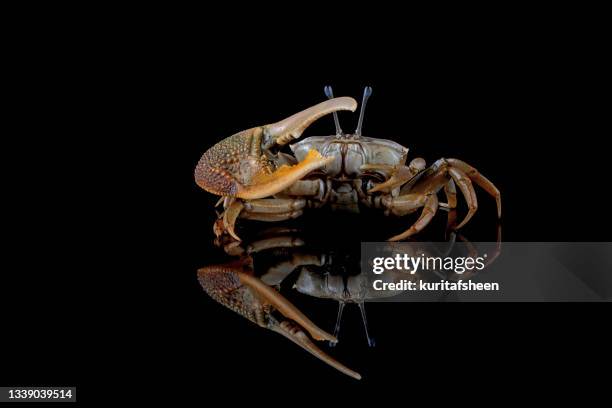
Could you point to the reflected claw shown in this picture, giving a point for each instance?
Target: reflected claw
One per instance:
(294, 333)
(233, 286)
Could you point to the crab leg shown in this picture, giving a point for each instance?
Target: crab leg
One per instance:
(432, 178)
(266, 209)
(404, 204)
(448, 172)
(278, 272)
(271, 217)
(423, 194)
(272, 209)
(451, 195)
(229, 218)
(283, 241)
(479, 179)
(466, 187)
(429, 210)
(274, 205)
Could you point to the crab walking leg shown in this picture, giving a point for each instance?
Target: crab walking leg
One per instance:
(451, 195)
(283, 241)
(270, 217)
(466, 187)
(265, 209)
(432, 179)
(274, 205)
(450, 190)
(429, 210)
(451, 221)
(273, 209)
(404, 204)
(229, 218)
(498, 247)
(279, 271)
(479, 179)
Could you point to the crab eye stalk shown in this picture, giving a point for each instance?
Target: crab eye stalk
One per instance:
(330, 95)
(366, 95)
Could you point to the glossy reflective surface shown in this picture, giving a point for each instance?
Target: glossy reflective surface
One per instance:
(281, 275)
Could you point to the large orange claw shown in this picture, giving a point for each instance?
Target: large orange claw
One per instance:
(233, 286)
(239, 166)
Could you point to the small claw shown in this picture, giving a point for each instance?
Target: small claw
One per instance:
(293, 126)
(399, 177)
(399, 174)
(267, 184)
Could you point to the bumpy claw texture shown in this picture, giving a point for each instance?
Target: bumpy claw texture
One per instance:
(242, 165)
(219, 169)
(222, 283)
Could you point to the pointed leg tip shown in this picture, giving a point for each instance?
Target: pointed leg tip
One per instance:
(461, 224)
(397, 238)
(230, 230)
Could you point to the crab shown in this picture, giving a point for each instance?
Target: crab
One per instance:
(258, 181)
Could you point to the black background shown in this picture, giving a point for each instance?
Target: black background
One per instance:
(516, 121)
(116, 246)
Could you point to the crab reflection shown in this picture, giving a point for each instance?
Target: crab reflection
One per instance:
(250, 283)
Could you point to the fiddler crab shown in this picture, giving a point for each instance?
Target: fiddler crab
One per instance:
(257, 181)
